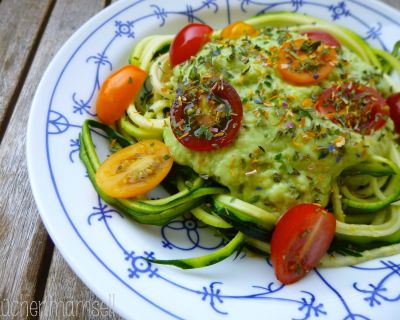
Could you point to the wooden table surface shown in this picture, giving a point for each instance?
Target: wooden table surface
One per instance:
(32, 270)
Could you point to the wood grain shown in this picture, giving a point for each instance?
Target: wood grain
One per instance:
(393, 3)
(25, 247)
(21, 25)
(66, 297)
(23, 238)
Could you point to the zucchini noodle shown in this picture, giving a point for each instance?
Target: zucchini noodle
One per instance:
(157, 71)
(364, 197)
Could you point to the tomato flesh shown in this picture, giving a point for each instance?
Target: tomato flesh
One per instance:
(300, 239)
(207, 119)
(134, 170)
(394, 104)
(324, 37)
(305, 62)
(355, 106)
(188, 42)
(117, 92)
(238, 29)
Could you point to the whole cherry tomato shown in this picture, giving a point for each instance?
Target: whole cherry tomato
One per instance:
(324, 37)
(300, 239)
(394, 104)
(188, 42)
(355, 106)
(209, 118)
(305, 62)
(117, 92)
(238, 29)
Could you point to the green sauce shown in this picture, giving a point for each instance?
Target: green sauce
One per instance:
(285, 153)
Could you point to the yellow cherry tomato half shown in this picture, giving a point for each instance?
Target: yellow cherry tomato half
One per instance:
(117, 92)
(238, 29)
(134, 170)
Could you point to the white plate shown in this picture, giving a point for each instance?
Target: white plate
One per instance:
(106, 250)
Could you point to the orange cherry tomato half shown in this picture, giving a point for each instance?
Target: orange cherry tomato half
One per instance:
(238, 29)
(300, 239)
(188, 41)
(355, 106)
(117, 92)
(305, 62)
(134, 170)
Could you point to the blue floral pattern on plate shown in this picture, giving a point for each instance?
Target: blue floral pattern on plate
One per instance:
(375, 285)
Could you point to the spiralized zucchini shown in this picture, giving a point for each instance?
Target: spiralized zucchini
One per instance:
(363, 197)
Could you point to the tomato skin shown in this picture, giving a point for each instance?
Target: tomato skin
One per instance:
(238, 29)
(188, 42)
(117, 92)
(358, 106)
(324, 37)
(295, 70)
(394, 104)
(300, 239)
(134, 170)
(223, 90)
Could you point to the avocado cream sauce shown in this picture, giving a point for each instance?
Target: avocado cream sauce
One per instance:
(285, 153)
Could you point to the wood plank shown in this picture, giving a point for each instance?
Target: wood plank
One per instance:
(26, 251)
(21, 25)
(393, 3)
(66, 297)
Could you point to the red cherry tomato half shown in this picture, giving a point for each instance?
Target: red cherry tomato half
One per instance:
(300, 239)
(324, 37)
(394, 104)
(188, 42)
(207, 119)
(355, 106)
(118, 91)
